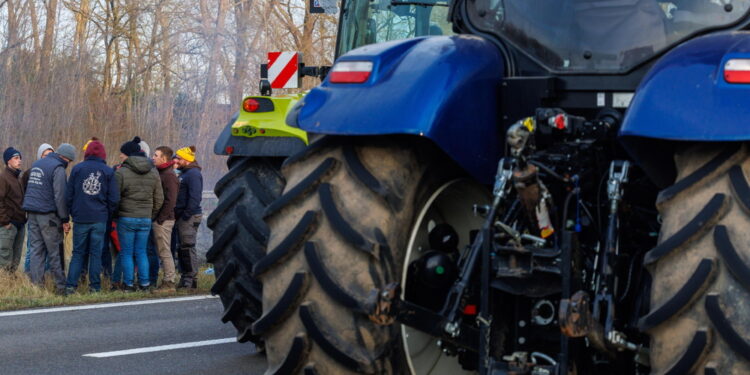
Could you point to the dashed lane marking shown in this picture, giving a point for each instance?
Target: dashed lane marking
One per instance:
(161, 348)
(104, 305)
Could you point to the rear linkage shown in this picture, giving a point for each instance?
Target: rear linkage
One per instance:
(577, 316)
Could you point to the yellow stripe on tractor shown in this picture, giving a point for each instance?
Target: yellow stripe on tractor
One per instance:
(264, 116)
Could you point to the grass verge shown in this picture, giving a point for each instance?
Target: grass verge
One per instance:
(17, 292)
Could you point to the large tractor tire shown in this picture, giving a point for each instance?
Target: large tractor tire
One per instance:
(338, 232)
(699, 318)
(240, 237)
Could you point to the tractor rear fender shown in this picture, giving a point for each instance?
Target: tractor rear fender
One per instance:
(262, 132)
(686, 98)
(442, 88)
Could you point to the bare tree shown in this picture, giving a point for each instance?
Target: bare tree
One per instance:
(49, 37)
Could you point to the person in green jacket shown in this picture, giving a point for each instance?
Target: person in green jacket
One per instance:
(141, 197)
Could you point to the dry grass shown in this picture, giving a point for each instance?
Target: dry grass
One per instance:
(17, 292)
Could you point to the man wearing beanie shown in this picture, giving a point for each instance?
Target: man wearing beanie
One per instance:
(91, 197)
(141, 197)
(12, 217)
(188, 213)
(43, 150)
(44, 200)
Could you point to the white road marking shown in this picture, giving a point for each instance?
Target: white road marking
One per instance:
(104, 305)
(161, 348)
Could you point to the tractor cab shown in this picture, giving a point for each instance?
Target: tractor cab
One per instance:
(366, 22)
(598, 36)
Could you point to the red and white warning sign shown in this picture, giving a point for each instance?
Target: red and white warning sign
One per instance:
(283, 70)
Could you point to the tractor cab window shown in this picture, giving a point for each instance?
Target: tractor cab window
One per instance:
(600, 35)
(366, 22)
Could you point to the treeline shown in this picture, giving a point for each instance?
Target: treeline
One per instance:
(169, 71)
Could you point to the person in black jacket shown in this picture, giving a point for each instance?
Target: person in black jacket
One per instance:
(189, 214)
(91, 196)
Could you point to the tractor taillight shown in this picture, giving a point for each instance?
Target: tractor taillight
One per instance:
(250, 105)
(351, 72)
(737, 71)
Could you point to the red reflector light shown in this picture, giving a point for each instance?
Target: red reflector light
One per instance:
(229, 150)
(351, 72)
(737, 71)
(250, 105)
(561, 122)
(470, 310)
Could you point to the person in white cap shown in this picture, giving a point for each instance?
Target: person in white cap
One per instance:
(44, 200)
(43, 150)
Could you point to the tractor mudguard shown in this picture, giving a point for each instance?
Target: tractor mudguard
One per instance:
(685, 98)
(443, 88)
(262, 132)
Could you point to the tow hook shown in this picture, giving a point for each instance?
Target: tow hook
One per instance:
(379, 304)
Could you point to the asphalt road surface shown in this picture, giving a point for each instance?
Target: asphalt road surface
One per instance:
(177, 336)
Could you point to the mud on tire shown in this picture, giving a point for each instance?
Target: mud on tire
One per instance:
(338, 232)
(699, 319)
(240, 237)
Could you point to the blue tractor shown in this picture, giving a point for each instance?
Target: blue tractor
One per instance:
(256, 141)
(559, 188)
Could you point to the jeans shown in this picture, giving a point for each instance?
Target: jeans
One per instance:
(117, 273)
(153, 259)
(106, 254)
(133, 233)
(87, 243)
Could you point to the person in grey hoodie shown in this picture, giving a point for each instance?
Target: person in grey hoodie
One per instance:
(43, 150)
(44, 201)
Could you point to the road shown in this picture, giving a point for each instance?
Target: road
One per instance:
(99, 340)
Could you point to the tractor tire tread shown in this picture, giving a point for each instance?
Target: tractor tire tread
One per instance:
(696, 228)
(303, 188)
(699, 175)
(239, 237)
(224, 206)
(363, 175)
(339, 236)
(689, 292)
(289, 245)
(682, 301)
(340, 224)
(285, 305)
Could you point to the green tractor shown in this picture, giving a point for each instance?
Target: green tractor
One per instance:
(257, 141)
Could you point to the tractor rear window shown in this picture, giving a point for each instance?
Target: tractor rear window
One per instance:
(374, 21)
(599, 35)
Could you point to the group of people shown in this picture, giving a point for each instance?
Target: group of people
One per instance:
(144, 209)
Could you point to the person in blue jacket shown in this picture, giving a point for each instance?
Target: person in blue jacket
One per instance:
(188, 213)
(91, 196)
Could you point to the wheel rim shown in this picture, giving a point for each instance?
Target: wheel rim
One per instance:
(457, 198)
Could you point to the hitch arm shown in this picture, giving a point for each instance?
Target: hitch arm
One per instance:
(384, 307)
